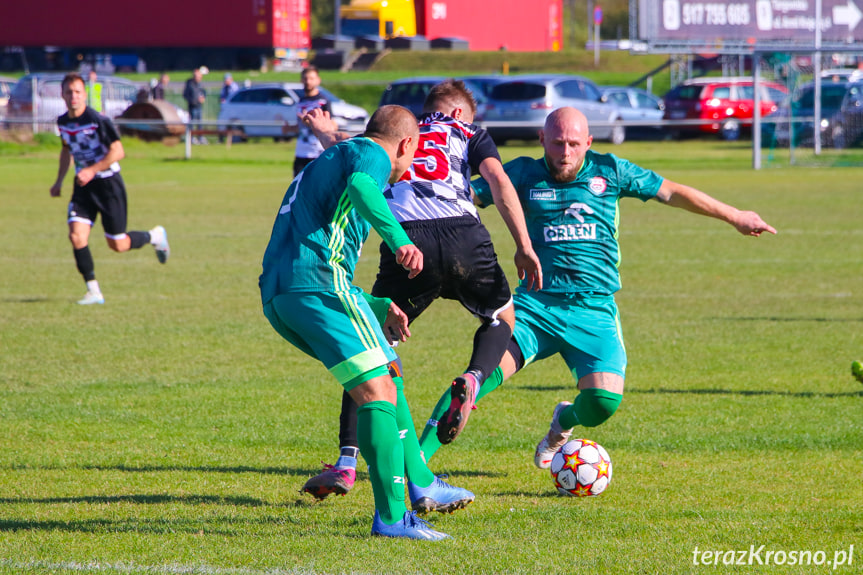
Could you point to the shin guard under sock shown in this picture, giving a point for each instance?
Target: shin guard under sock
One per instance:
(489, 345)
(84, 261)
(382, 449)
(415, 466)
(138, 239)
(590, 408)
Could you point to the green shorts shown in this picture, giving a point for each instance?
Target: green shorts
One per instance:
(338, 329)
(584, 330)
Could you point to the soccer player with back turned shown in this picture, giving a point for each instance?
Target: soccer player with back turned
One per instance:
(310, 300)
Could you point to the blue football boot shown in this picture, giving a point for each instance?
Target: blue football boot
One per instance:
(439, 496)
(410, 527)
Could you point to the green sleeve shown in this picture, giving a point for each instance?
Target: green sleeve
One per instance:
(380, 306)
(367, 199)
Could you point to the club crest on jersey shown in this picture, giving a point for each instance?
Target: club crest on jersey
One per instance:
(542, 194)
(597, 186)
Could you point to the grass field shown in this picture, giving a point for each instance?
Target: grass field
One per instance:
(169, 430)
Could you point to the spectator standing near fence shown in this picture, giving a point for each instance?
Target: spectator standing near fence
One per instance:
(229, 88)
(195, 96)
(160, 89)
(94, 91)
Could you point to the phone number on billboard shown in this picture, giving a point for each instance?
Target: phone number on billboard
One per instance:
(715, 14)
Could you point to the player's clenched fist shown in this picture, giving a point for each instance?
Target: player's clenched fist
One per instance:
(411, 258)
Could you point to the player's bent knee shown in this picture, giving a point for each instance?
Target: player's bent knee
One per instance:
(594, 406)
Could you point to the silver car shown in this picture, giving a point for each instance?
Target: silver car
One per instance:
(639, 107)
(270, 110)
(517, 108)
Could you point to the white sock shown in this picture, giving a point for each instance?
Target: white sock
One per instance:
(93, 287)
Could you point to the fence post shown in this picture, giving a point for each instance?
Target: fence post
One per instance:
(188, 141)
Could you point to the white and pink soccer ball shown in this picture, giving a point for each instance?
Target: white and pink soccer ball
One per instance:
(581, 468)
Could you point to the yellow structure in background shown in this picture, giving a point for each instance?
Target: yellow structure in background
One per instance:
(384, 18)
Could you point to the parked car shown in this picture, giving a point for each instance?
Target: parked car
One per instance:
(841, 117)
(481, 86)
(411, 92)
(270, 110)
(725, 106)
(842, 74)
(519, 106)
(117, 95)
(637, 105)
(6, 85)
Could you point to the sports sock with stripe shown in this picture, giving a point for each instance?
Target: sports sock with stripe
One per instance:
(382, 449)
(415, 467)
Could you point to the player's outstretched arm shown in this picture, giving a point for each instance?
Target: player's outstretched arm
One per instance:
(323, 127)
(65, 162)
(697, 202)
(509, 206)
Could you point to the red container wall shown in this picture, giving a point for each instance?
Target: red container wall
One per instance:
(516, 25)
(156, 23)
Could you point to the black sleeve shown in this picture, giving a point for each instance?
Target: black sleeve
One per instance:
(107, 131)
(480, 148)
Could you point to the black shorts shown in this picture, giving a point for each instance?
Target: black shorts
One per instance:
(300, 163)
(459, 263)
(106, 196)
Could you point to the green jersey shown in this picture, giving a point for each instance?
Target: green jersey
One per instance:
(324, 219)
(574, 225)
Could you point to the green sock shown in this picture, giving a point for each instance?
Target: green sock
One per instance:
(380, 446)
(429, 443)
(415, 467)
(590, 408)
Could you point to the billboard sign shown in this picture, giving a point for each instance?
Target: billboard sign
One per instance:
(748, 25)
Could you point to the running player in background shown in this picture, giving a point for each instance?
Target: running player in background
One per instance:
(434, 205)
(570, 198)
(92, 141)
(309, 298)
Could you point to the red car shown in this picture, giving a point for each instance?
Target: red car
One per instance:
(724, 106)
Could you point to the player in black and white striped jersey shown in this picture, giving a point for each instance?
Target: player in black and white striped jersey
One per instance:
(92, 141)
(432, 201)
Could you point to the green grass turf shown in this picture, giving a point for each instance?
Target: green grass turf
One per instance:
(169, 430)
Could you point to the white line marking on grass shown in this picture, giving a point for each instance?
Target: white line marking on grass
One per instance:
(170, 569)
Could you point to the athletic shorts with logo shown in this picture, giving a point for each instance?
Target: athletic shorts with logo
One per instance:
(337, 328)
(106, 196)
(584, 330)
(459, 263)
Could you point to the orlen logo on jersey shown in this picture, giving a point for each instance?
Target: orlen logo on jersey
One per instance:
(569, 232)
(576, 209)
(597, 186)
(579, 231)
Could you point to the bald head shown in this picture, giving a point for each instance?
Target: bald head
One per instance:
(565, 139)
(395, 129)
(392, 124)
(566, 119)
